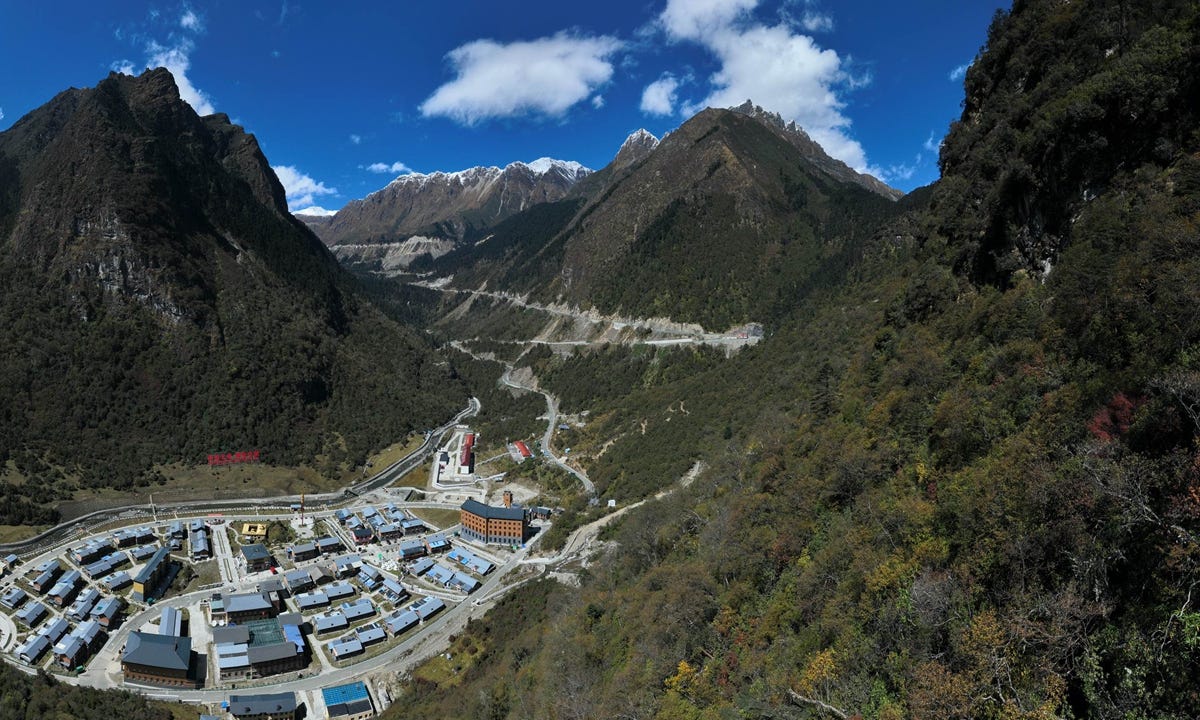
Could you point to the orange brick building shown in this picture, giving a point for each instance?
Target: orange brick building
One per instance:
(490, 524)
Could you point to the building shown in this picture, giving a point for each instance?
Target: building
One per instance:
(147, 580)
(464, 582)
(311, 600)
(299, 581)
(177, 530)
(304, 551)
(65, 589)
(32, 614)
(368, 635)
(329, 622)
(82, 607)
(437, 543)
(199, 547)
(339, 590)
(250, 606)
(505, 525)
(107, 612)
(357, 610)
(257, 557)
(345, 647)
(33, 648)
(427, 607)
(348, 702)
(410, 549)
(48, 573)
(439, 574)
(370, 577)
(390, 531)
(13, 598)
(163, 660)
(267, 647)
(347, 565)
(394, 590)
(55, 629)
(466, 455)
(91, 551)
(171, 622)
(362, 535)
(522, 450)
(77, 647)
(116, 581)
(475, 563)
(267, 706)
(411, 526)
(256, 532)
(329, 545)
(400, 621)
(141, 552)
(11, 561)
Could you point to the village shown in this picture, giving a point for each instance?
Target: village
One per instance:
(274, 613)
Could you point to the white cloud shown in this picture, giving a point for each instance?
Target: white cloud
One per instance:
(776, 67)
(899, 172)
(598, 101)
(300, 188)
(124, 67)
(659, 96)
(190, 21)
(546, 76)
(356, 139)
(959, 72)
(394, 168)
(177, 60)
(1, 113)
(697, 19)
(932, 143)
(815, 22)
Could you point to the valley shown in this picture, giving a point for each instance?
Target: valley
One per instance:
(727, 427)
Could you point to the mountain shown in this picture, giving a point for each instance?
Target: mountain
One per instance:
(813, 152)
(725, 221)
(158, 302)
(959, 479)
(443, 209)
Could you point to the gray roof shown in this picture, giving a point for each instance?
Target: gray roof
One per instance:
(347, 646)
(339, 590)
(257, 551)
(230, 634)
(368, 635)
(329, 621)
(308, 547)
(160, 651)
(246, 602)
(493, 512)
(263, 704)
(269, 653)
(160, 556)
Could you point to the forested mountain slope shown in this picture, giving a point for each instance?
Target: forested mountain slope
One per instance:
(959, 483)
(158, 302)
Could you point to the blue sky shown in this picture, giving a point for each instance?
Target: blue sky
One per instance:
(344, 98)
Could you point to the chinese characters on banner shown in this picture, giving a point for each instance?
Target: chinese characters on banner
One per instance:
(241, 456)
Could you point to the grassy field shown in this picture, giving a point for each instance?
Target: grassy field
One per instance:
(437, 516)
(13, 533)
(448, 673)
(204, 483)
(180, 710)
(395, 452)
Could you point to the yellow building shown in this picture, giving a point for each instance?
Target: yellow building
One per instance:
(254, 531)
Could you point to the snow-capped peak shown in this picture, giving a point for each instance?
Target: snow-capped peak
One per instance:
(543, 165)
(641, 137)
(315, 211)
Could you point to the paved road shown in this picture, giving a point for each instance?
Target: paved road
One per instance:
(551, 424)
